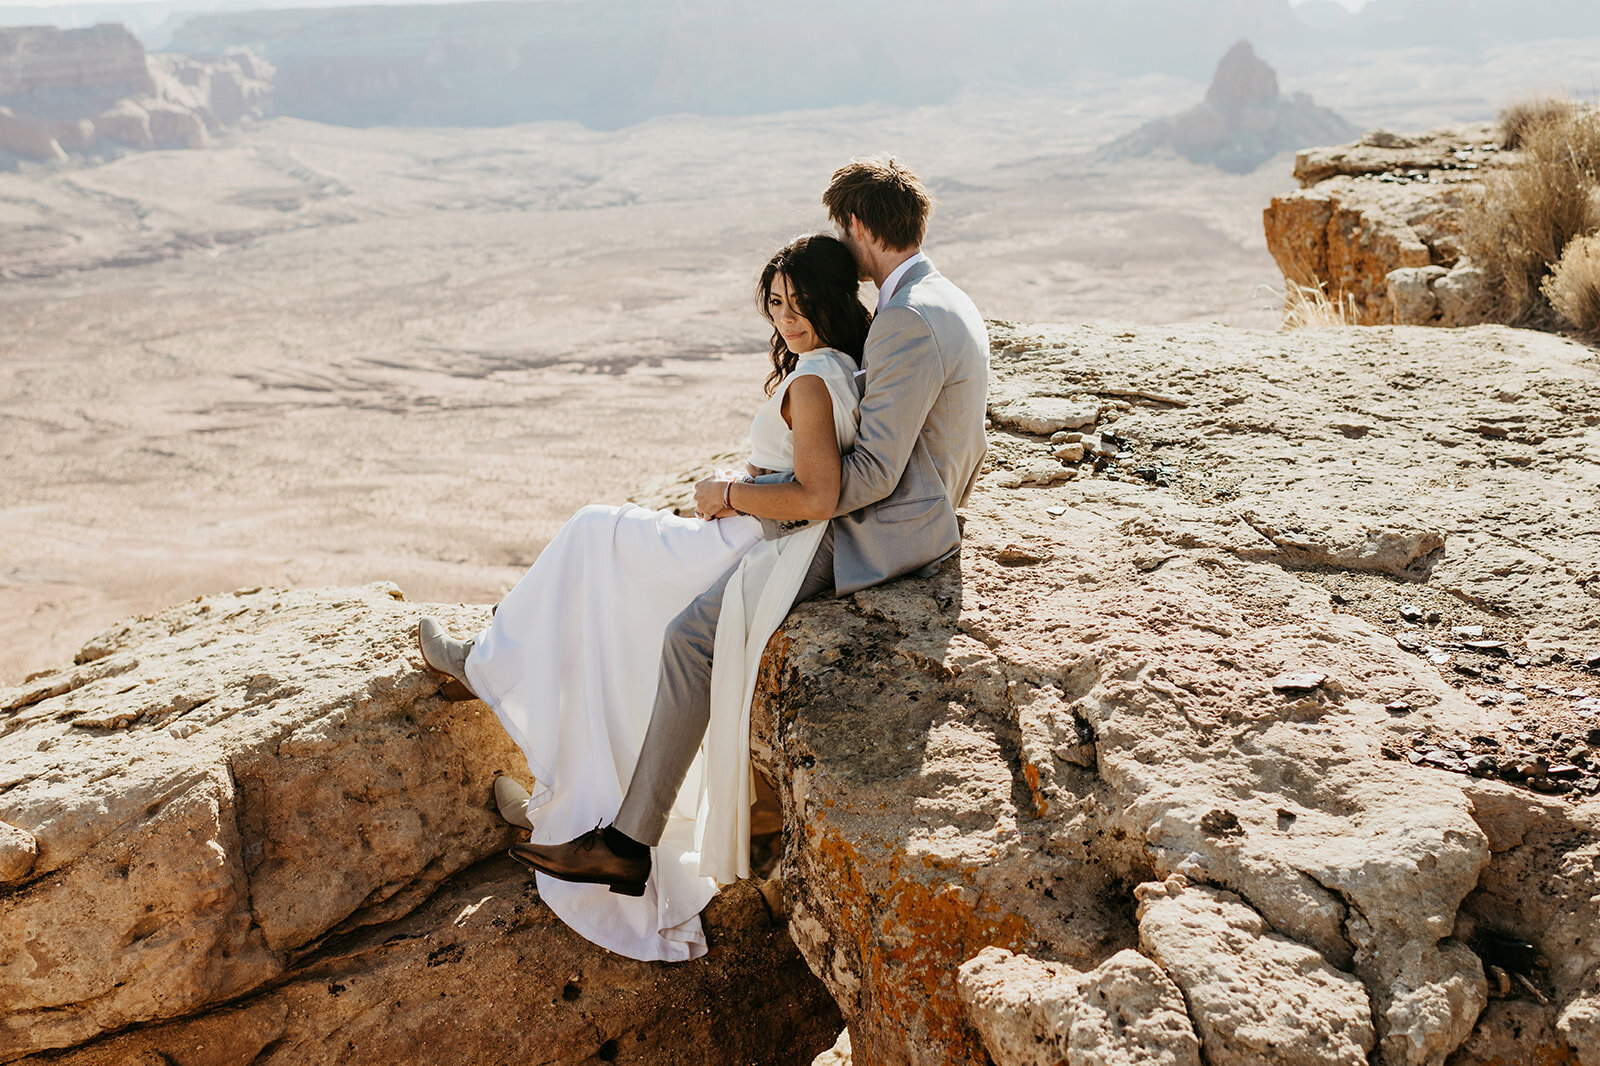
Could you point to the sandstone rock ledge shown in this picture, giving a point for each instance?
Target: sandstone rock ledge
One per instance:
(1133, 760)
(1378, 221)
(247, 830)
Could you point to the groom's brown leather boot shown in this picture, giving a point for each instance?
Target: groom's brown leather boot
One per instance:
(590, 859)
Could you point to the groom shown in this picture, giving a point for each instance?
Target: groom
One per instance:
(916, 457)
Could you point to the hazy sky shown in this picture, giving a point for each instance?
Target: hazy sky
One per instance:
(1353, 5)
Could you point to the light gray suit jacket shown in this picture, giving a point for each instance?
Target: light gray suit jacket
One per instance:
(924, 395)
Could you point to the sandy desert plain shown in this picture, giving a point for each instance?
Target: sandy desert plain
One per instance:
(315, 355)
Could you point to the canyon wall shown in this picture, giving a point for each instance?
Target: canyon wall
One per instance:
(629, 60)
(95, 91)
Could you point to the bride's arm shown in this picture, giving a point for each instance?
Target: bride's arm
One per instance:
(814, 492)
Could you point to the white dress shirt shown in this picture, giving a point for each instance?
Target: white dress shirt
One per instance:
(887, 289)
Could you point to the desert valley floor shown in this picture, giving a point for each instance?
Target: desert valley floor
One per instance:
(314, 355)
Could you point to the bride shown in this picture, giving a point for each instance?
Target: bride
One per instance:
(569, 663)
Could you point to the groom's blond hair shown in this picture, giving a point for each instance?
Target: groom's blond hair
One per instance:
(886, 196)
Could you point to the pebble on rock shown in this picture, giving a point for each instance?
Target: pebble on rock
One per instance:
(1070, 453)
(1445, 760)
(18, 850)
(1298, 682)
(1100, 448)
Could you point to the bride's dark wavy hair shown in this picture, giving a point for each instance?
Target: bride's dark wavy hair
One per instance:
(823, 277)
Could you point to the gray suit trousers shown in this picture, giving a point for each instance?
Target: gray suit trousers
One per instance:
(683, 702)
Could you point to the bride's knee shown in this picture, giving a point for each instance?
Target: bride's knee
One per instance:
(594, 513)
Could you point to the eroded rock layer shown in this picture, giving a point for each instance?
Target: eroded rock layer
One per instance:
(65, 93)
(1167, 707)
(1376, 225)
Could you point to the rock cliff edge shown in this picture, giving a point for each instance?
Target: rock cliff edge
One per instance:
(1258, 715)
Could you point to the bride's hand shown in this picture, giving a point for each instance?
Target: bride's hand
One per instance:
(708, 498)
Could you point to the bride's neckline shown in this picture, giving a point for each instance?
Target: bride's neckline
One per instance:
(821, 352)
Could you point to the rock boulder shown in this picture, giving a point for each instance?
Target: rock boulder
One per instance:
(259, 835)
(1126, 1012)
(1300, 1010)
(1267, 725)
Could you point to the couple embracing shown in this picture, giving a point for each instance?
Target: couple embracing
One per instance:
(623, 663)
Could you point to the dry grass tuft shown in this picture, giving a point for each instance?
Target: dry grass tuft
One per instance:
(1525, 215)
(1573, 287)
(1310, 307)
(1523, 115)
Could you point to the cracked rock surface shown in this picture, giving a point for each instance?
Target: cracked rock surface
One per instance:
(1138, 676)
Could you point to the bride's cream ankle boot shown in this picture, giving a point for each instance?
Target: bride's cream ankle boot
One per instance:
(512, 799)
(445, 655)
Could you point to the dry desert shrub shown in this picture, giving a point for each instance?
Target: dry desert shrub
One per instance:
(1310, 306)
(1573, 287)
(1524, 215)
(1517, 119)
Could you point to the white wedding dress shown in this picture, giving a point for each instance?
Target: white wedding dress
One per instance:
(570, 661)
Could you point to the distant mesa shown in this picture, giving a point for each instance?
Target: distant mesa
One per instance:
(95, 93)
(1243, 122)
(1242, 82)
